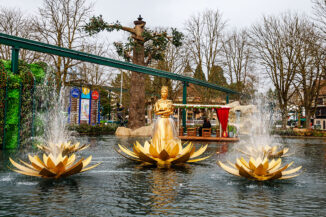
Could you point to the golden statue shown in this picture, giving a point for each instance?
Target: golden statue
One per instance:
(164, 132)
(165, 148)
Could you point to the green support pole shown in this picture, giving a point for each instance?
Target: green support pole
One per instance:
(33, 109)
(19, 113)
(5, 118)
(110, 105)
(227, 99)
(184, 101)
(14, 59)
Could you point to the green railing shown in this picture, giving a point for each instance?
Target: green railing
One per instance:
(20, 43)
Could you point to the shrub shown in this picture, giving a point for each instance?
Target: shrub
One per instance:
(94, 129)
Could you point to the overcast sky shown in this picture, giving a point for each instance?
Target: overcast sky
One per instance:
(174, 13)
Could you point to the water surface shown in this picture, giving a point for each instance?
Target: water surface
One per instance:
(119, 187)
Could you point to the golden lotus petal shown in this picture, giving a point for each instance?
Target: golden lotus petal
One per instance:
(89, 168)
(231, 164)
(146, 158)
(61, 166)
(87, 161)
(282, 169)
(244, 163)
(130, 158)
(288, 172)
(182, 158)
(153, 151)
(20, 167)
(127, 151)
(199, 152)
(74, 169)
(175, 151)
(199, 159)
(29, 165)
(252, 163)
(262, 171)
(47, 173)
(276, 164)
(229, 169)
(172, 153)
(27, 173)
(289, 177)
(146, 147)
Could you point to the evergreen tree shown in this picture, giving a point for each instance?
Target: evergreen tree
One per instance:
(199, 74)
(216, 76)
(188, 70)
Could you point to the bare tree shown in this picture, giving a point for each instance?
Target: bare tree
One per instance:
(311, 64)
(174, 60)
(59, 23)
(204, 38)
(275, 41)
(14, 22)
(94, 74)
(238, 60)
(319, 8)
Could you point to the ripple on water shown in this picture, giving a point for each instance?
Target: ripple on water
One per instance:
(121, 188)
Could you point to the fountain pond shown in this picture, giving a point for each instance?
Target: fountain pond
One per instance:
(119, 187)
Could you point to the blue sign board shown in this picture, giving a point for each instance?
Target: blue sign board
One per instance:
(75, 92)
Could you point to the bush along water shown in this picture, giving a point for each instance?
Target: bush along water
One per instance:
(3, 82)
(99, 129)
(17, 102)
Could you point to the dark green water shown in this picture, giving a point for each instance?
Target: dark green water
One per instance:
(119, 187)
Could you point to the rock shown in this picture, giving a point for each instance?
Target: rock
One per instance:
(246, 116)
(145, 131)
(123, 131)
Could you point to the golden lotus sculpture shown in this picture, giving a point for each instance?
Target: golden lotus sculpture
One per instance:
(174, 154)
(165, 147)
(53, 167)
(65, 148)
(260, 169)
(265, 151)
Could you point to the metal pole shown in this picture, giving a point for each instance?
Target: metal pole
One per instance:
(33, 108)
(121, 84)
(109, 104)
(184, 101)
(227, 99)
(79, 112)
(14, 59)
(178, 119)
(90, 108)
(99, 110)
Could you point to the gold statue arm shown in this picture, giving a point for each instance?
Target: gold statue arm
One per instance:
(167, 111)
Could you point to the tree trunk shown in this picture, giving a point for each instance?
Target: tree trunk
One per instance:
(137, 90)
(284, 116)
(308, 117)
